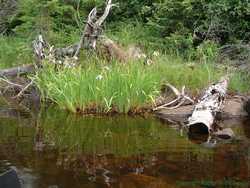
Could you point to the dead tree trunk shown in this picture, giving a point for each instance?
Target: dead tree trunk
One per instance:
(91, 33)
(205, 111)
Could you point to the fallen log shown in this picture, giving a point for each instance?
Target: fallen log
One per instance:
(205, 111)
(15, 71)
(233, 109)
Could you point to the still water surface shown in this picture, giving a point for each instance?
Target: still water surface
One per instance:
(53, 149)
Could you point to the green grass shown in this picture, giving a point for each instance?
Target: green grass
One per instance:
(14, 51)
(240, 82)
(121, 87)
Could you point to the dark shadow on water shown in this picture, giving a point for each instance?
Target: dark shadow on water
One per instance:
(197, 138)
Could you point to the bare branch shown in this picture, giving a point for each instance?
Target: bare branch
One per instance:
(24, 89)
(38, 47)
(100, 21)
(176, 91)
(11, 83)
(180, 100)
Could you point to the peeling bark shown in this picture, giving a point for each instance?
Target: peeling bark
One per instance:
(205, 111)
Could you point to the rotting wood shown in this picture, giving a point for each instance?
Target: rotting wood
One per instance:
(205, 111)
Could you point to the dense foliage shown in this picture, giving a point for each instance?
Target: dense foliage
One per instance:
(173, 21)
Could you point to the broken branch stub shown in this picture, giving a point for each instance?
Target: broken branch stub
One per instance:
(205, 111)
(92, 29)
(39, 46)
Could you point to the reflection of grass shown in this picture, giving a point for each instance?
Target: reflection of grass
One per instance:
(120, 87)
(15, 136)
(121, 135)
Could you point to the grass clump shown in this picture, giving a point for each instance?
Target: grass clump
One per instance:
(117, 87)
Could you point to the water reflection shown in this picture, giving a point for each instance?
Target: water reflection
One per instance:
(56, 149)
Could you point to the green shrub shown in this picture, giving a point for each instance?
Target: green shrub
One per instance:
(14, 51)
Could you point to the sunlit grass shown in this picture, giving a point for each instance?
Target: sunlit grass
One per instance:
(123, 88)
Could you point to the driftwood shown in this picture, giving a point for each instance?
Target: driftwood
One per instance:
(233, 110)
(205, 111)
(181, 98)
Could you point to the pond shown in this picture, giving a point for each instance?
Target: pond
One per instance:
(54, 149)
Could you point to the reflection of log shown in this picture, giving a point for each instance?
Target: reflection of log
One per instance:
(205, 111)
(15, 71)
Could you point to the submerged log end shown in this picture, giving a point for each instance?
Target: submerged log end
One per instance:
(198, 128)
(205, 111)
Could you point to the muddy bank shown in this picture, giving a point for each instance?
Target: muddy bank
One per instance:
(233, 109)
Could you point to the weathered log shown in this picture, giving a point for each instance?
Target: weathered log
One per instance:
(15, 71)
(232, 110)
(205, 111)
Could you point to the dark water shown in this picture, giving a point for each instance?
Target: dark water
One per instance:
(52, 149)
